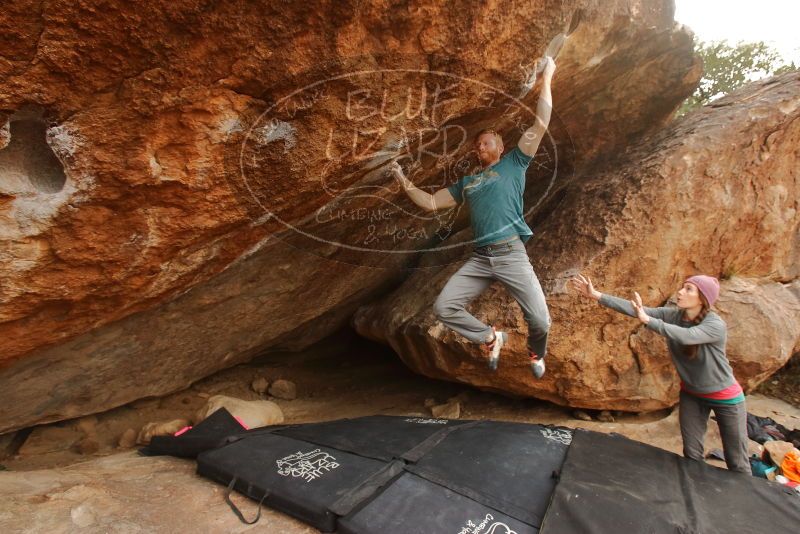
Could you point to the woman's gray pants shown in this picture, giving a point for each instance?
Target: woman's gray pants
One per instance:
(732, 422)
(509, 264)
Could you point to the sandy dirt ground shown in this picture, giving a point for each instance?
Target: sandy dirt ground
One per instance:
(72, 476)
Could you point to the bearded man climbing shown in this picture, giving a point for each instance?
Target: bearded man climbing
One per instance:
(495, 198)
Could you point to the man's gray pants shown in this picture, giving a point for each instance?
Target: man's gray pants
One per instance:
(508, 263)
(732, 421)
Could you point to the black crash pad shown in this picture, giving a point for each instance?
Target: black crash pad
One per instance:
(381, 437)
(211, 433)
(393, 475)
(612, 484)
(315, 484)
(414, 505)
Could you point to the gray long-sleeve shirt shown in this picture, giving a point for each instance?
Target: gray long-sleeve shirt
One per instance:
(709, 370)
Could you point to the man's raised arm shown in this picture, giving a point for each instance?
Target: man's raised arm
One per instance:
(440, 200)
(529, 142)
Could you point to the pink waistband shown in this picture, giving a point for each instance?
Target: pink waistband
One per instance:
(729, 392)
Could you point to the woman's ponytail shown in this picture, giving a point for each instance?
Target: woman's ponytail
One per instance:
(691, 350)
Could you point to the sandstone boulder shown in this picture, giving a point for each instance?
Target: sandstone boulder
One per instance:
(168, 208)
(714, 193)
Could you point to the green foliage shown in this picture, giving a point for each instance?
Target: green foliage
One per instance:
(727, 67)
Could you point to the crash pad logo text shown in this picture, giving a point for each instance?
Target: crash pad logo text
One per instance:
(559, 435)
(422, 421)
(308, 465)
(487, 526)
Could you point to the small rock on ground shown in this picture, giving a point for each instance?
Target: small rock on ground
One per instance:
(164, 428)
(450, 410)
(283, 389)
(88, 445)
(260, 385)
(253, 414)
(127, 439)
(580, 414)
(605, 417)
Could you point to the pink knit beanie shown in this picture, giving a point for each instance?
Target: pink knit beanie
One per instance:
(707, 285)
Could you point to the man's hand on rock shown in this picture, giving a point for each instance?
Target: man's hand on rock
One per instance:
(397, 172)
(548, 67)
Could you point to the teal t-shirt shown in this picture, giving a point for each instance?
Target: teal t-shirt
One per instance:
(495, 199)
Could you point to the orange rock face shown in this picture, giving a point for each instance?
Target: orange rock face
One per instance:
(716, 193)
(188, 185)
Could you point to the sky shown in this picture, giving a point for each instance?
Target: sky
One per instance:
(773, 21)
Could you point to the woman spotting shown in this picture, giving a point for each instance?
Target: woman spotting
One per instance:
(696, 338)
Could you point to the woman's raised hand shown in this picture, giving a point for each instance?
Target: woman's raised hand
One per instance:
(584, 286)
(639, 308)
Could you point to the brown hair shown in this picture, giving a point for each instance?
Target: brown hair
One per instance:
(691, 350)
(496, 135)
